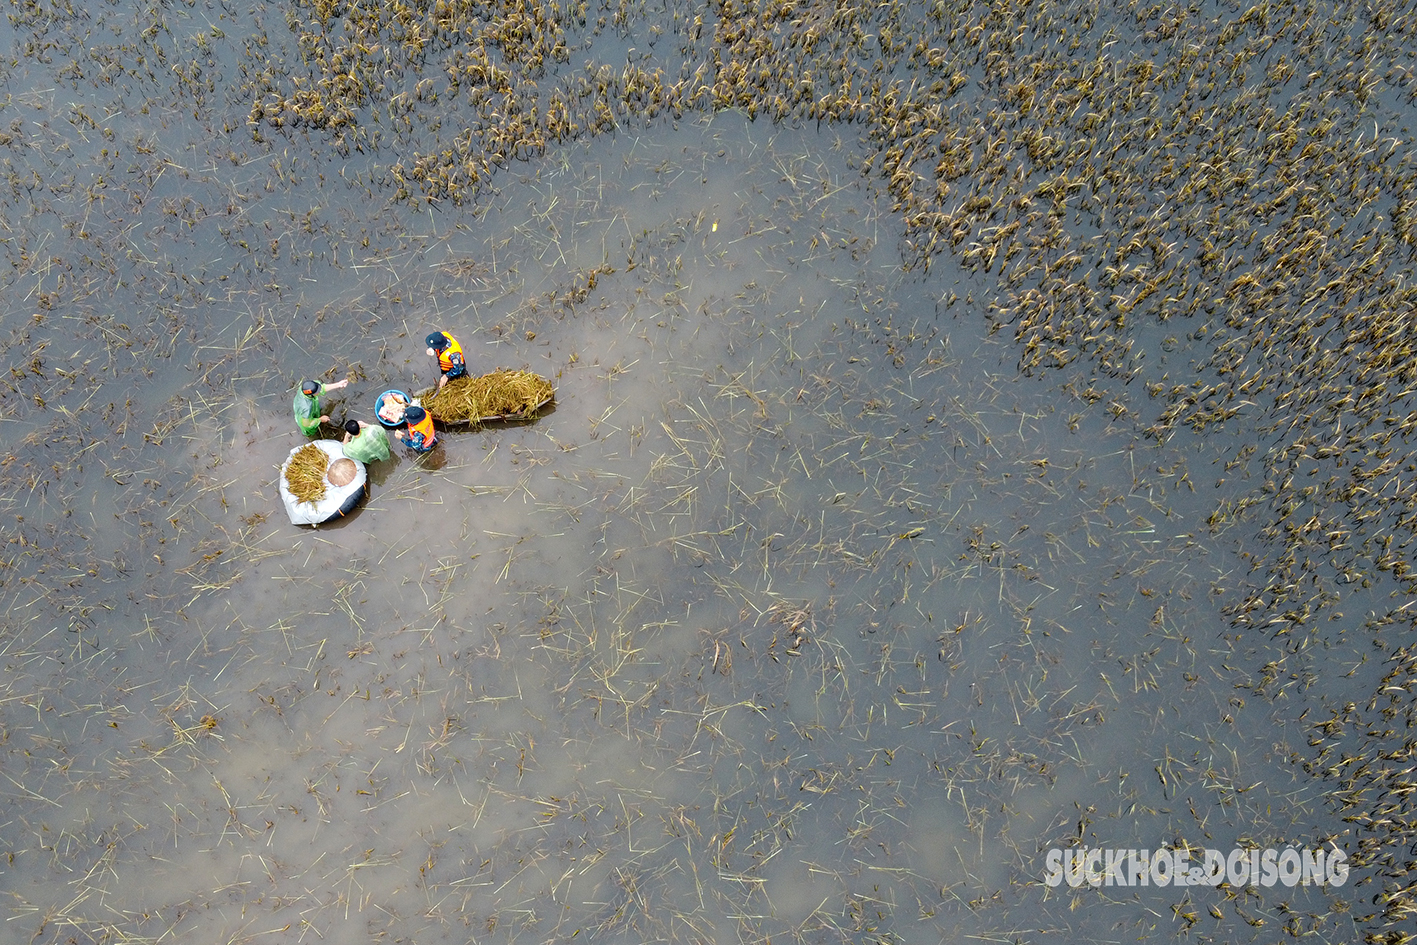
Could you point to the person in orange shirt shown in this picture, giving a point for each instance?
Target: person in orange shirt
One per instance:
(445, 348)
(420, 435)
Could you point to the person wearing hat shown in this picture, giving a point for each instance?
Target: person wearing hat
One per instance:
(419, 434)
(442, 346)
(365, 442)
(307, 405)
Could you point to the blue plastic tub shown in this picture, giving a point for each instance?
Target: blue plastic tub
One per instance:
(379, 404)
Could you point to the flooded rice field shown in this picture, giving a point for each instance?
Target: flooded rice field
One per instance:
(980, 480)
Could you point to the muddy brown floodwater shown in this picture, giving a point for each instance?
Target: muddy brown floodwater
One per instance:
(981, 433)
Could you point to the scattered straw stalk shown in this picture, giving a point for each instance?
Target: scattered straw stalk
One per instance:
(306, 473)
(502, 393)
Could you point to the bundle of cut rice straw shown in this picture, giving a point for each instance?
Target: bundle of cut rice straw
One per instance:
(305, 474)
(501, 394)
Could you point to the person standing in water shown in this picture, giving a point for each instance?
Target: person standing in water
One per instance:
(451, 362)
(307, 405)
(365, 441)
(420, 435)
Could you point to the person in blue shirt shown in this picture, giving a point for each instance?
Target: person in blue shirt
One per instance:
(451, 362)
(420, 435)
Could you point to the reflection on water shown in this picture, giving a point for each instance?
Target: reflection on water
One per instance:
(801, 615)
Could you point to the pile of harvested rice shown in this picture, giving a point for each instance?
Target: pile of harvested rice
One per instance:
(305, 473)
(502, 393)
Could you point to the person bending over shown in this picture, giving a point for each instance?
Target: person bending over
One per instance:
(419, 435)
(365, 442)
(307, 405)
(451, 362)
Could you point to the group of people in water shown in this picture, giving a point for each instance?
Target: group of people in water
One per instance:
(367, 442)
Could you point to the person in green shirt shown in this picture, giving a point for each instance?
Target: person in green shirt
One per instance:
(307, 405)
(365, 441)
